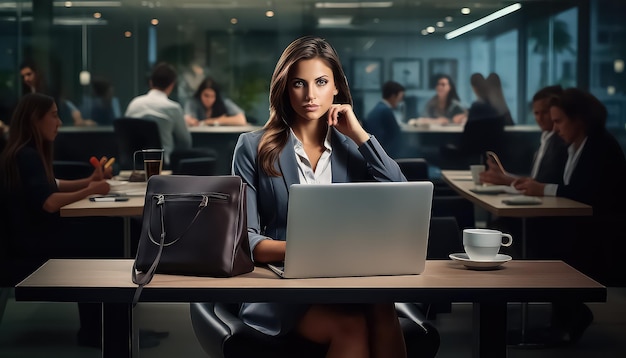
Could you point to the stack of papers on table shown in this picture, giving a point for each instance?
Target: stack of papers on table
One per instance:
(127, 188)
(495, 189)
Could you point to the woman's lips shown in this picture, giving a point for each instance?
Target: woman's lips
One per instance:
(311, 107)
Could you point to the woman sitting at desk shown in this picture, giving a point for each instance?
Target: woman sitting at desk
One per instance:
(445, 107)
(312, 136)
(208, 107)
(32, 197)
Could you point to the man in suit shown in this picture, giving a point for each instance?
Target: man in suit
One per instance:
(551, 156)
(381, 121)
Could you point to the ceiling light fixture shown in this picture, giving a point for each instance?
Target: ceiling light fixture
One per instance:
(87, 3)
(480, 22)
(334, 21)
(353, 5)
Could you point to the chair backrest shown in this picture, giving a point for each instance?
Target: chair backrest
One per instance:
(414, 169)
(70, 170)
(195, 166)
(444, 239)
(134, 134)
(481, 135)
(458, 207)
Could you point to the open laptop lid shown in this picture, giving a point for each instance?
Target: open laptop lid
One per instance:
(357, 229)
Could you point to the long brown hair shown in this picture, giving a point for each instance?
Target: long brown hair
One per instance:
(31, 109)
(282, 114)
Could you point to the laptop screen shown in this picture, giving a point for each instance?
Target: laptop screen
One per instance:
(357, 229)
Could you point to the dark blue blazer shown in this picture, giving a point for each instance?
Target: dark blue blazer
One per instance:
(381, 122)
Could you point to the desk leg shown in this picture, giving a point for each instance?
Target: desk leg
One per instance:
(117, 330)
(126, 236)
(489, 333)
(524, 310)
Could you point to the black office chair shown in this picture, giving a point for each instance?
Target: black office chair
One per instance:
(444, 238)
(479, 136)
(456, 206)
(414, 169)
(194, 162)
(222, 334)
(70, 170)
(135, 134)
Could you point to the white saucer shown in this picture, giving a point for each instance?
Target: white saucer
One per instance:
(480, 265)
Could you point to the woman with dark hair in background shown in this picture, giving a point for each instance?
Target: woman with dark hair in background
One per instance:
(496, 98)
(31, 198)
(33, 81)
(208, 107)
(445, 107)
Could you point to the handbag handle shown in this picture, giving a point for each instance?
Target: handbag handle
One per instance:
(143, 279)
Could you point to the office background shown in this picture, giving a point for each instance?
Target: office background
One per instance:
(569, 42)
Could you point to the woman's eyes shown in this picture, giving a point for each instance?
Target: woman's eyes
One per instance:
(319, 82)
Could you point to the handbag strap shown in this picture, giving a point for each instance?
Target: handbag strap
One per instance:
(144, 278)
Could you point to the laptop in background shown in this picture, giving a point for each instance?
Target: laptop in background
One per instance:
(357, 229)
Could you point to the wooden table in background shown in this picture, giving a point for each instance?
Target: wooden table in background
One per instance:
(124, 209)
(109, 282)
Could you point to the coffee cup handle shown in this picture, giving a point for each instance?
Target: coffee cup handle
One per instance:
(509, 241)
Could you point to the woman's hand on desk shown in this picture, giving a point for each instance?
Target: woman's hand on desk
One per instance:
(529, 186)
(99, 187)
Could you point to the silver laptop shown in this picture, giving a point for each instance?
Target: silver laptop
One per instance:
(356, 229)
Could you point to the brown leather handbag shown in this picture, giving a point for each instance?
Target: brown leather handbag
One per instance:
(193, 225)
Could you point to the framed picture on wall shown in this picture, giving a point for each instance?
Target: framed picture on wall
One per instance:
(367, 73)
(442, 66)
(407, 72)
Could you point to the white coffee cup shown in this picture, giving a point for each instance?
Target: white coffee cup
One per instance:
(484, 244)
(476, 170)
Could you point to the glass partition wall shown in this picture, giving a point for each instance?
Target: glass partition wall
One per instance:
(77, 44)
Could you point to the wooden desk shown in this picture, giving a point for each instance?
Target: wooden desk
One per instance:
(125, 209)
(109, 282)
(460, 181)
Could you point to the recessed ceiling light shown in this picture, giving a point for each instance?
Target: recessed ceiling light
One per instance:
(610, 90)
(234, 21)
(465, 10)
(618, 66)
(128, 34)
(440, 24)
(154, 22)
(269, 13)
(97, 15)
(424, 32)
(448, 18)
(430, 29)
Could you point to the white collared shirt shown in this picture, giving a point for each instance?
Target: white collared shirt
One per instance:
(323, 173)
(572, 160)
(545, 136)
